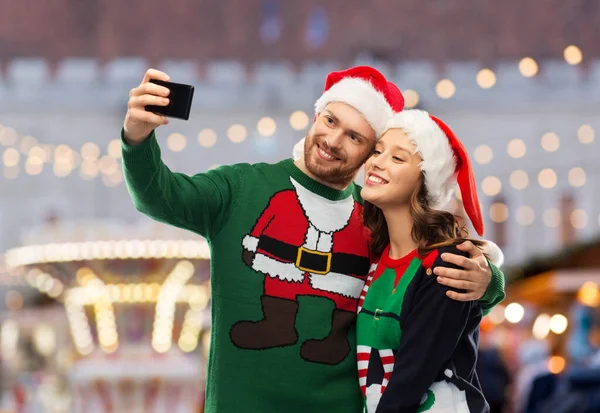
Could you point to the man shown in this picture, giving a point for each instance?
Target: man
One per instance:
(289, 253)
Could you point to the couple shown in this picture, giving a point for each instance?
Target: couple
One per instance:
(295, 256)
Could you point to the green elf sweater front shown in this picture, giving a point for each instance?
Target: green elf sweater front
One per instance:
(417, 348)
(289, 258)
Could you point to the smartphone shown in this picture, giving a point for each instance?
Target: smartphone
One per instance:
(180, 100)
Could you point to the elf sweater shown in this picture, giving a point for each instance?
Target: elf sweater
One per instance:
(289, 257)
(417, 348)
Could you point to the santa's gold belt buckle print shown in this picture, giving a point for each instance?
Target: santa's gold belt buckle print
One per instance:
(313, 261)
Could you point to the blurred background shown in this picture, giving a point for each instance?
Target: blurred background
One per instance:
(104, 310)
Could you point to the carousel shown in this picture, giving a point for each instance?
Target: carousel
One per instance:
(136, 303)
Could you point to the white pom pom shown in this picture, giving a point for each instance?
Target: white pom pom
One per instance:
(494, 252)
(298, 151)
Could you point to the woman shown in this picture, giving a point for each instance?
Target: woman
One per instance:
(417, 347)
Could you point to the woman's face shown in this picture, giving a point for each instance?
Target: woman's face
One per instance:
(392, 173)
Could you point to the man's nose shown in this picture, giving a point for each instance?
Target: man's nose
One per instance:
(334, 140)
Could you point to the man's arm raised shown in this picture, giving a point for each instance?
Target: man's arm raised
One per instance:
(200, 203)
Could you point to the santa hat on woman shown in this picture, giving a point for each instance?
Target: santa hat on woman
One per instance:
(445, 163)
(365, 89)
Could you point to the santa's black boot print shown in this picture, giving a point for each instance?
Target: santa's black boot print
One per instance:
(276, 329)
(334, 348)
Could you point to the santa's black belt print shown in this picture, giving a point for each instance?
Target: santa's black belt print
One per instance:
(315, 261)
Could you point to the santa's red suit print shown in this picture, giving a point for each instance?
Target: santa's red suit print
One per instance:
(305, 244)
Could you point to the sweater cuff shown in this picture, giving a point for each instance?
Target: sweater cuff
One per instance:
(141, 155)
(495, 291)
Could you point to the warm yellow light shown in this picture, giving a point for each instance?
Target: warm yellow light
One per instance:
(161, 347)
(236, 133)
(589, 294)
(519, 179)
(411, 98)
(541, 326)
(36, 155)
(550, 142)
(573, 55)
(586, 134)
(577, 177)
(556, 364)
(299, 120)
(188, 342)
(516, 148)
(207, 138)
(491, 186)
(498, 212)
(33, 168)
(486, 78)
(558, 324)
(176, 142)
(84, 275)
(108, 165)
(528, 67)
(445, 89)
(90, 151)
(10, 157)
(266, 126)
(483, 154)
(547, 178)
(514, 313)
(44, 339)
(579, 219)
(89, 169)
(114, 148)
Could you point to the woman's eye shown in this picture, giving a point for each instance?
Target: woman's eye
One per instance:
(398, 159)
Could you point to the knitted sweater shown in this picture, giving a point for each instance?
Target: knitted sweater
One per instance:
(417, 348)
(289, 257)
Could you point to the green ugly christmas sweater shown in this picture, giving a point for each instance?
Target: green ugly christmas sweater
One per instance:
(289, 258)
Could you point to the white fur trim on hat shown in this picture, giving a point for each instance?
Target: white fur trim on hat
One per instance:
(298, 151)
(439, 163)
(361, 95)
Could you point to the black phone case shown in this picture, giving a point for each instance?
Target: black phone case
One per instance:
(180, 100)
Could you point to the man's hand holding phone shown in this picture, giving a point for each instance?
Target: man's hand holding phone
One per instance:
(152, 102)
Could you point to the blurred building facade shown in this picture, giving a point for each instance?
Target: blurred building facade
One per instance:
(532, 139)
(256, 30)
(520, 85)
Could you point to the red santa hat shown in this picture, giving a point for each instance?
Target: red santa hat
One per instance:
(365, 89)
(445, 163)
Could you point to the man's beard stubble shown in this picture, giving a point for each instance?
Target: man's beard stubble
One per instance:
(338, 175)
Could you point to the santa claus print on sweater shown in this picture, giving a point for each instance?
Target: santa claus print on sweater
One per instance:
(305, 244)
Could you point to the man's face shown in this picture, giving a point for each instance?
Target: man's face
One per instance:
(338, 144)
